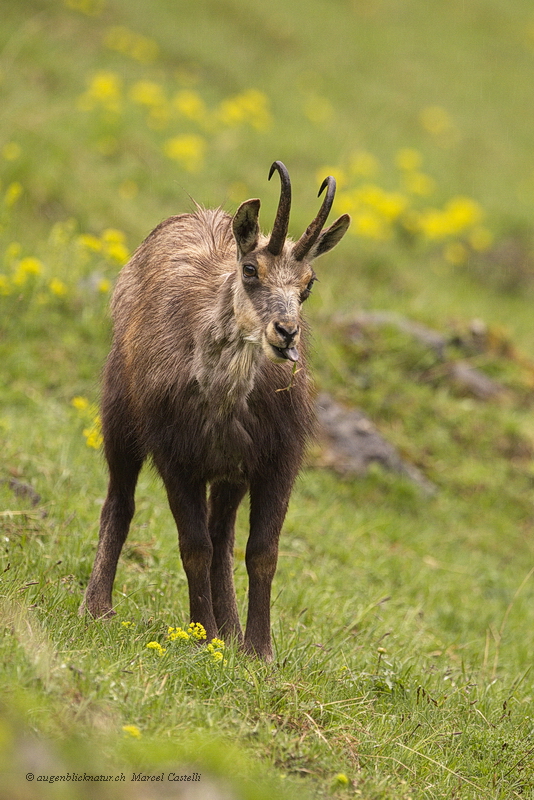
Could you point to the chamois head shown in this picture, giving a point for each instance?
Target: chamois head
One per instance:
(275, 275)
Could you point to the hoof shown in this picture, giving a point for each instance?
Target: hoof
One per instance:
(105, 613)
(262, 653)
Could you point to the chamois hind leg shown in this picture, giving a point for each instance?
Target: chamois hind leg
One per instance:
(224, 501)
(187, 499)
(269, 498)
(117, 513)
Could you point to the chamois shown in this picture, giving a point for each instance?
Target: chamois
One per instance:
(207, 377)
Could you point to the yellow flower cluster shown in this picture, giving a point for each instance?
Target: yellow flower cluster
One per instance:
(12, 194)
(183, 109)
(132, 730)
(215, 649)
(104, 92)
(88, 412)
(248, 108)
(191, 106)
(156, 647)
(177, 633)
(188, 150)
(374, 210)
(131, 44)
(196, 630)
(27, 268)
(111, 243)
(381, 215)
(23, 272)
(195, 633)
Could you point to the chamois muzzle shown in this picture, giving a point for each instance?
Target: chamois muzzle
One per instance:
(290, 334)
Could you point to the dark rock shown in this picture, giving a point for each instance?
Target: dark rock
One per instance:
(352, 443)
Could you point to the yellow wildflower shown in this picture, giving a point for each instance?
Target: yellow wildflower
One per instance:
(370, 226)
(131, 44)
(57, 287)
(26, 267)
(31, 266)
(132, 730)
(250, 107)
(126, 623)
(80, 403)
(113, 236)
(156, 647)
(105, 91)
(90, 242)
(188, 150)
(104, 286)
(93, 434)
(190, 105)
(148, 93)
(113, 243)
(463, 212)
(12, 194)
(196, 630)
(118, 252)
(177, 633)
(215, 648)
(434, 224)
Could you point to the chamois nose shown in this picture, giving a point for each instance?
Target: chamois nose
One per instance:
(287, 331)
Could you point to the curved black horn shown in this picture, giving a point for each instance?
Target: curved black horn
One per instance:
(311, 234)
(281, 222)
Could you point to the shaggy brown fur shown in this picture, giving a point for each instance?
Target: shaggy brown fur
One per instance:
(207, 329)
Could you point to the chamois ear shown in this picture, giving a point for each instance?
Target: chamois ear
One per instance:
(245, 226)
(330, 237)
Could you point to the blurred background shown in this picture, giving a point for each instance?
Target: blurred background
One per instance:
(116, 114)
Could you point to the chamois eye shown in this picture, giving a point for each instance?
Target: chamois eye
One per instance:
(307, 291)
(250, 271)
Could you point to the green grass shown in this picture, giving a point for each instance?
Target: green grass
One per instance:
(402, 622)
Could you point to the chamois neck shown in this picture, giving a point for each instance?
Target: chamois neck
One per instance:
(225, 363)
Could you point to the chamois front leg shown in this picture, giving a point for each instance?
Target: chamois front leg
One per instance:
(225, 498)
(117, 513)
(187, 499)
(269, 497)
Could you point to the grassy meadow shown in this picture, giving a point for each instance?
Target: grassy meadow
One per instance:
(402, 621)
